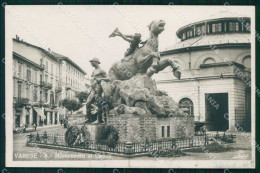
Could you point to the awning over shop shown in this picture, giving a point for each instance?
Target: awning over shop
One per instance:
(39, 112)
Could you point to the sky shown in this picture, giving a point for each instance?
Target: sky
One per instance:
(81, 32)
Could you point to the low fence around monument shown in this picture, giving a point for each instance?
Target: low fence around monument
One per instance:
(131, 147)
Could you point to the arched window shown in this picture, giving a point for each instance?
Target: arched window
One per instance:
(247, 61)
(209, 60)
(188, 104)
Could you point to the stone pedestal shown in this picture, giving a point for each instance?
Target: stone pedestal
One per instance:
(95, 130)
(136, 128)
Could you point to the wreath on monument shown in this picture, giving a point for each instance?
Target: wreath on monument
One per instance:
(71, 135)
(109, 136)
(77, 136)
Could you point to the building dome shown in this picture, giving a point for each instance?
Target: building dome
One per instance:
(221, 28)
(222, 22)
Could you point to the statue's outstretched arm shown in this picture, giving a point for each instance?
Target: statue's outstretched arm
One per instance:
(129, 39)
(129, 36)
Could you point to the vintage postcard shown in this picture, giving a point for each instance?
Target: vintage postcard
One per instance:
(130, 86)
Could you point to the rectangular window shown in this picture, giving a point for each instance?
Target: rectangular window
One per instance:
(20, 69)
(168, 131)
(233, 26)
(191, 33)
(46, 78)
(35, 94)
(46, 95)
(203, 29)
(184, 36)
(35, 78)
(188, 34)
(27, 92)
(46, 66)
(213, 28)
(41, 78)
(216, 27)
(162, 131)
(51, 80)
(28, 75)
(40, 95)
(51, 98)
(51, 68)
(19, 91)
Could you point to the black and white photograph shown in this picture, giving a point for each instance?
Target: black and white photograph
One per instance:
(123, 86)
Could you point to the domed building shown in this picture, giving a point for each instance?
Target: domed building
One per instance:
(214, 55)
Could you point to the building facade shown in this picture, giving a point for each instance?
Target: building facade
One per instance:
(39, 85)
(214, 56)
(72, 77)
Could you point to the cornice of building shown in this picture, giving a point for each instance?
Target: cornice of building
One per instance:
(16, 55)
(206, 47)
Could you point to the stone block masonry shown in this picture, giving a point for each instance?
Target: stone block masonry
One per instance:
(136, 128)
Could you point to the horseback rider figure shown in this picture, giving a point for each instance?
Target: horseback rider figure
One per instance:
(134, 41)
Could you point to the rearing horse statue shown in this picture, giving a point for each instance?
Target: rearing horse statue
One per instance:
(145, 60)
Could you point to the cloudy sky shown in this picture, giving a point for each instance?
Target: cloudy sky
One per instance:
(81, 32)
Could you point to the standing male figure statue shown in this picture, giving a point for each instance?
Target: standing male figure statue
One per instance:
(96, 90)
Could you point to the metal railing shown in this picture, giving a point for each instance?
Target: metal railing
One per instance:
(20, 101)
(58, 89)
(46, 85)
(131, 147)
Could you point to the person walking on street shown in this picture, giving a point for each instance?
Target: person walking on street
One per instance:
(35, 126)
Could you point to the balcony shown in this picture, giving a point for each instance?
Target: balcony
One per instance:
(68, 86)
(39, 104)
(46, 85)
(58, 89)
(20, 102)
(53, 106)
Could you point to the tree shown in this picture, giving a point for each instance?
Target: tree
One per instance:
(71, 105)
(82, 96)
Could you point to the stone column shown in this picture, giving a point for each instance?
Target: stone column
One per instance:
(58, 117)
(23, 115)
(231, 113)
(53, 118)
(31, 116)
(48, 118)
